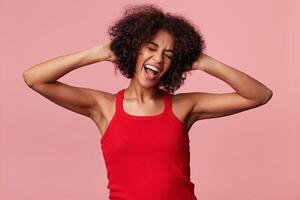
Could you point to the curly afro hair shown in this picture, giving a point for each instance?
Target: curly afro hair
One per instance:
(138, 26)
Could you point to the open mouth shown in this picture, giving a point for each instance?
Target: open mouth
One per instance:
(150, 73)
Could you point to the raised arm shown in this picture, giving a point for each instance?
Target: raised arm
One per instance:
(43, 79)
(250, 93)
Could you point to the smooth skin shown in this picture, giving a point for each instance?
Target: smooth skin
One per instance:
(142, 97)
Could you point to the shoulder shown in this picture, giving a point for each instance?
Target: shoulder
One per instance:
(183, 98)
(182, 104)
(105, 103)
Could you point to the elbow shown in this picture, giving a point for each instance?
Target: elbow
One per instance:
(26, 78)
(263, 98)
(267, 97)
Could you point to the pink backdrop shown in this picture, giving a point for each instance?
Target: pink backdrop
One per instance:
(48, 152)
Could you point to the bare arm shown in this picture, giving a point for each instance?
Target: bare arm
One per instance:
(250, 93)
(43, 79)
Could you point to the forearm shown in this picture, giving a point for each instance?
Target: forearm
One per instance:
(51, 70)
(242, 83)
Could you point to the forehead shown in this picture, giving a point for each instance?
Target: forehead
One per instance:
(163, 38)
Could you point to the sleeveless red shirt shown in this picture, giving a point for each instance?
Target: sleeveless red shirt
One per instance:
(147, 157)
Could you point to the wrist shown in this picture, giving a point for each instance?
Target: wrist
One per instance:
(105, 53)
(99, 53)
(207, 61)
(89, 56)
(201, 62)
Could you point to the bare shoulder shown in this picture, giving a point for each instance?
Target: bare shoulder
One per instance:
(182, 107)
(184, 99)
(105, 102)
(104, 111)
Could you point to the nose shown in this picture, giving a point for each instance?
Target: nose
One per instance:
(158, 57)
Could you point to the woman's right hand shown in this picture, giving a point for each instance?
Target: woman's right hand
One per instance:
(109, 55)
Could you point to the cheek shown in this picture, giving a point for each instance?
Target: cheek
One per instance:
(166, 70)
(140, 60)
(141, 57)
(168, 66)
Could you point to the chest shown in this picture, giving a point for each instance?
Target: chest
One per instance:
(180, 108)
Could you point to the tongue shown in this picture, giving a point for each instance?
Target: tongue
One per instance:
(150, 73)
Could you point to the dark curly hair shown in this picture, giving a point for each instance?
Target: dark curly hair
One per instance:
(138, 26)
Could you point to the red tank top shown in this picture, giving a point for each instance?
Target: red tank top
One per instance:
(147, 157)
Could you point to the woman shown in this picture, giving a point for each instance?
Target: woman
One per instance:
(145, 126)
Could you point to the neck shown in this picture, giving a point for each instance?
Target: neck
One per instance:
(137, 91)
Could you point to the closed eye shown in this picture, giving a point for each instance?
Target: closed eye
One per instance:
(169, 56)
(151, 49)
(165, 54)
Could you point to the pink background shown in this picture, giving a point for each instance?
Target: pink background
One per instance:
(49, 152)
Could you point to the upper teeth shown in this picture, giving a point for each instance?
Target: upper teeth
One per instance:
(152, 67)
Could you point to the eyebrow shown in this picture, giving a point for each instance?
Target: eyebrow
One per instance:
(157, 46)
